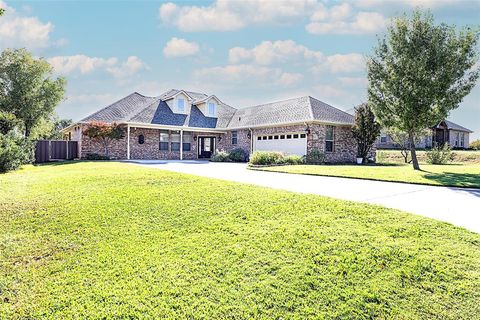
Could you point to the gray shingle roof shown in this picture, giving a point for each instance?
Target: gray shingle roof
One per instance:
(154, 110)
(121, 110)
(296, 110)
(453, 126)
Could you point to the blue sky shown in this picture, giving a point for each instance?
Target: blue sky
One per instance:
(245, 52)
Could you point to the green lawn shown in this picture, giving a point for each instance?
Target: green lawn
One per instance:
(112, 240)
(454, 175)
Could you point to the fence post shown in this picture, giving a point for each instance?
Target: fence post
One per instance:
(66, 141)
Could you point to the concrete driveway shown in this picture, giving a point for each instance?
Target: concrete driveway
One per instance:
(458, 206)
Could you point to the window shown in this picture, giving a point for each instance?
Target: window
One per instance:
(187, 141)
(181, 105)
(303, 135)
(275, 137)
(383, 138)
(234, 137)
(282, 136)
(462, 139)
(164, 140)
(141, 139)
(457, 138)
(295, 136)
(264, 138)
(289, 136)
(259, 138)
(329, 139)
(270, 137)
(211, 109)
(175, 141)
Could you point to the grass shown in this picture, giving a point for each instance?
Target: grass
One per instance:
(461, 156)
(452, 175)
(113, 240)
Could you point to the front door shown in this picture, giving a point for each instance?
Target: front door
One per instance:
(206, 146)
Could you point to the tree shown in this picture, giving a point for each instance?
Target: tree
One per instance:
(365, 131)
(419, 72)
(49, 128)
(8, 122)
(104, 133)
(2, 11)
(400, 138)
(27, 89)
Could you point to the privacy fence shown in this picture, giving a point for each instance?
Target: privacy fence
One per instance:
(52, 150)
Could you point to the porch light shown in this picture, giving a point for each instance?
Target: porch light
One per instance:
(194, 138)
(249, 135)
(307, 130)
(219, 138)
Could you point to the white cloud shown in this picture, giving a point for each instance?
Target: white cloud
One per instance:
(269, 52)
(353, 81)
(80, 63)
(128, 68)
(248, 74)
(351, 62)
(225, 15)
(411, 3)
(360, 23)
(180, 48)
(20, 31)
(84, 64)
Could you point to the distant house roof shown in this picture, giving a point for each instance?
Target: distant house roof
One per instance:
(136, 108)
(453, 126)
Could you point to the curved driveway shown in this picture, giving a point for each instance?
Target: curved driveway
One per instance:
(458, 206)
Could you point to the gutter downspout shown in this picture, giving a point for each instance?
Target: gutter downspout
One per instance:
(181, 144)
(251, 140)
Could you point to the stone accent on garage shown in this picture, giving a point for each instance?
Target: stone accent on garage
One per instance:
(243, 141)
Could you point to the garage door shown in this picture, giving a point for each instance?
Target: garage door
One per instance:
(288, 143)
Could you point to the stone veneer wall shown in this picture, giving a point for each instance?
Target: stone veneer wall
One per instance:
(242, 141)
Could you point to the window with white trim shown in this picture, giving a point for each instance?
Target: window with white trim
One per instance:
(175, 141)
(329, 139)
(181, 105)
(187, 141)
(234, 137)
(462, 139)
(163, 140)
(457, 138)
(211, 109)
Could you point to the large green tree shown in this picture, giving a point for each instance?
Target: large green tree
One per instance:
(419, 72)
(27, 88)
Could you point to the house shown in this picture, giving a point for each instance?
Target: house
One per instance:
(181, 124)
(444, 132)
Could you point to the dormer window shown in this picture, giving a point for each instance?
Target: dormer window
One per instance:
(181, 105)
(211, 109)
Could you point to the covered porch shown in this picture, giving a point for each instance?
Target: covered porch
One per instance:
(156, 142)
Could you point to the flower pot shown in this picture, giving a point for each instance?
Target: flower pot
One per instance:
(359, 160)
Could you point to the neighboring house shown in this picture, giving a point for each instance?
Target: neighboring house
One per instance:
(444, 132)
(188, 125)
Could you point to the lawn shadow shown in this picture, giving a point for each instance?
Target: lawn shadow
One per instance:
(58, 163)
(468, 180)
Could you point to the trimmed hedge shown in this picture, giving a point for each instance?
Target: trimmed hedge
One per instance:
(15, 150)
(263, 158)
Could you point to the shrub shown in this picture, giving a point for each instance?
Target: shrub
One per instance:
(315, 156)
(15, 150)
(439, 155)
(220, 156)
(266, 158)
(294, 159)
(96, 156)
(475, 145)
(237, 155)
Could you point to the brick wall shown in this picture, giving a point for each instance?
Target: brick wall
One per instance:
(117, 148)
(242, 141)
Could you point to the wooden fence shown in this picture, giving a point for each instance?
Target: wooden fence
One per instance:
(50, 150)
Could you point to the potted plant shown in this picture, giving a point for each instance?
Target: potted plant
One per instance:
(359, 159)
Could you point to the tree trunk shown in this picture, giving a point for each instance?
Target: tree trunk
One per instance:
(27, 131)
(414, 152)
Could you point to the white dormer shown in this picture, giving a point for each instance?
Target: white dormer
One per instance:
(180, 102)
(209, 106)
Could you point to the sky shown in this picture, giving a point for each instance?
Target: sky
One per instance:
(245, 52)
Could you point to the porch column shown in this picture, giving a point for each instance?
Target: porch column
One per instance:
(128, 142)
(181, 144)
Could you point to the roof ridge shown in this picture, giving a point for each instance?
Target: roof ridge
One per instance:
(273, 102)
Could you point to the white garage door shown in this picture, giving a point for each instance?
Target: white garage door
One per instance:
(288, 143)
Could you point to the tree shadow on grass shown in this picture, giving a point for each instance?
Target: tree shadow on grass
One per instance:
(469, 180)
